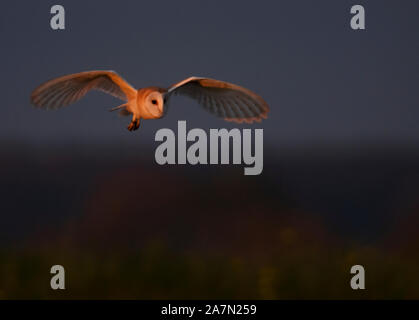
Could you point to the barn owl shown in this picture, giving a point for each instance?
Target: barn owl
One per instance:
(225, 100)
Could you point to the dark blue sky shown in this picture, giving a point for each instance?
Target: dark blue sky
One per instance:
(323, 81)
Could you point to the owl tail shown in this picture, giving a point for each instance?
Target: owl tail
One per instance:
(122, 107)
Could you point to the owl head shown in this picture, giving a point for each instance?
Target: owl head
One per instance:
(154, 103)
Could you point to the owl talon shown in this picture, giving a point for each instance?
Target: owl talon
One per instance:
(134, 125)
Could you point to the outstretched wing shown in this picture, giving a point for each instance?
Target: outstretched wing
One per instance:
(65, 90)
(223, 99)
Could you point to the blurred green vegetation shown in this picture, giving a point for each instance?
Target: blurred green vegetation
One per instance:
(123, 230)
(295, 271)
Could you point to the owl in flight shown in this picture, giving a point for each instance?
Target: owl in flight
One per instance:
(225, 100)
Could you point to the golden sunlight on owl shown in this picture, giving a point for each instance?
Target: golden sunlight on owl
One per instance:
(222, 99)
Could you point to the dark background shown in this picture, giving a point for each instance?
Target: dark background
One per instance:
(340, 184)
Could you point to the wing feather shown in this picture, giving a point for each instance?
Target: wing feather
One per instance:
(223, 99)
(253, 111)
(219, 110)
(229, 110)
(213, 105)
(238, 108)
(68, 89)
(241, 109)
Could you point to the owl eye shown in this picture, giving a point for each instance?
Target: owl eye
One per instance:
(154, 101)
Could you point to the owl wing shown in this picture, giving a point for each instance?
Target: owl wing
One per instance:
(223, 99)
(65, 90)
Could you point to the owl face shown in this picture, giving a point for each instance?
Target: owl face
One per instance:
(154, 103)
